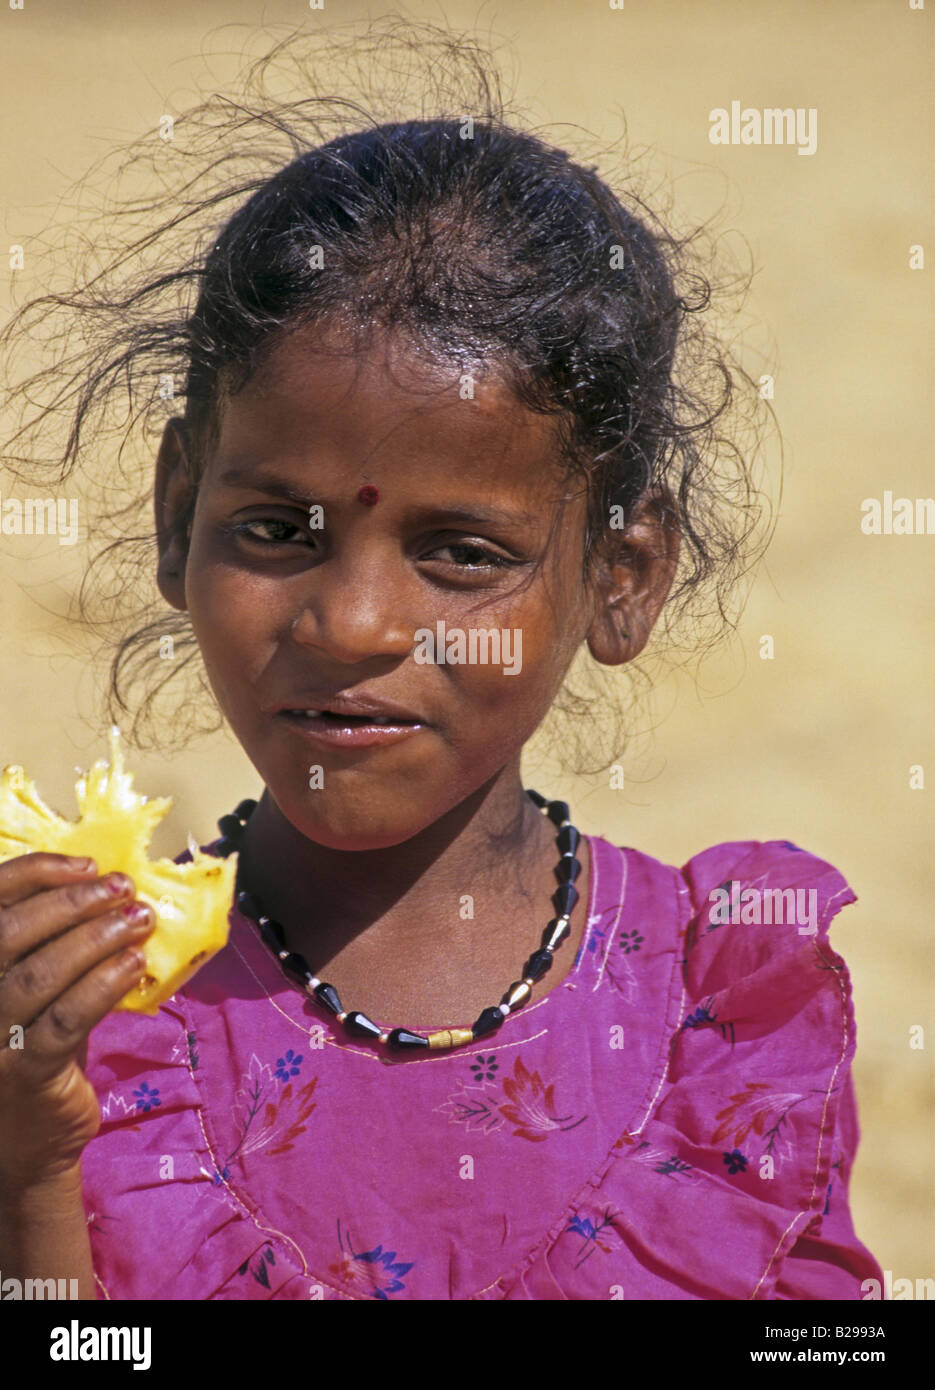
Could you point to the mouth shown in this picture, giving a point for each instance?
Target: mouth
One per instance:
(350, 730)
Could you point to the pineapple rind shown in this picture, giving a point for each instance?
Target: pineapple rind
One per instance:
(191, 901)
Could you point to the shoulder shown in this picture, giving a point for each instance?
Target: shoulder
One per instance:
(752, 1126)
(754, 867)
(762, 906)
(748, 922)
(738, 883)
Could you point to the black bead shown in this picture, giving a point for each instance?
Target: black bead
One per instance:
(272, 933)
(230, 827)
(565, 898)
(245, 809)
(550, 929)
(567, 869)
(327, 994)
(537, 797)
(225, 847)
(360, 1024)
(489, 1020)
(249, 906)
(401, 1038)
(296, 968)
(568, 839)
(537, 964)
(558, 811)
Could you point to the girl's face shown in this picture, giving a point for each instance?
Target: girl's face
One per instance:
(293, 608)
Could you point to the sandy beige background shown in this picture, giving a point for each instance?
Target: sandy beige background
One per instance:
(815, 745)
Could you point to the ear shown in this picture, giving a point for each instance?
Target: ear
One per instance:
(174, 500)
(635, 568)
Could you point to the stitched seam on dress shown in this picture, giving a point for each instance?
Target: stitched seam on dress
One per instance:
(799, 1216)
(668, 1035)
(827, 915)
(305, 1031)
(238, 1201)
(624, 877)
(570, 981)
(556, 1229)
(588, 921)
(456, 1055)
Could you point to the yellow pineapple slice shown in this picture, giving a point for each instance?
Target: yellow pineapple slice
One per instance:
(115, 825)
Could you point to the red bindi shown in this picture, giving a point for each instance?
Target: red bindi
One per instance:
(369, 495)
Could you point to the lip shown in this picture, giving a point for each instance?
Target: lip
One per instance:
(358, 705)
(331, 733)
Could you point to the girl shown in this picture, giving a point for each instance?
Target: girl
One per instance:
(435, 441)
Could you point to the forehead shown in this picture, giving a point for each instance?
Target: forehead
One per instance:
(391, 403)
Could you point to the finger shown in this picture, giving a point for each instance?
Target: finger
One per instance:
(30, 922)
(58, 1032)
(39, 978)
(30, 873)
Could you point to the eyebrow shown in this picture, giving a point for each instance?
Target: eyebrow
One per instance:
(258, 481)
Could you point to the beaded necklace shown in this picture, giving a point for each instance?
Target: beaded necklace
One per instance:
(357, 1024)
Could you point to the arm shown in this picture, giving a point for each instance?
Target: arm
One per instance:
(44, 1233)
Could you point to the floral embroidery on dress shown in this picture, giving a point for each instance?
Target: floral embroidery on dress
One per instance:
(93, 1217)
(666, 1164)
(750, 1112)
(622, 976)
(724, 887)
(616, 967)
(525, 1101)
(288, 1065)
(116, 1107)
(472, 1106)
(595, 940)
(698, 1018)
(260, 1272)
(704, 1015)
(532, 1105)
(736, 1163)
(269, 1114)
(376, 1273)
(485, 1068)
(584, 1227)
(146, 1097)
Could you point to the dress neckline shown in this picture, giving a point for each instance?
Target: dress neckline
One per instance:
(295, 1003)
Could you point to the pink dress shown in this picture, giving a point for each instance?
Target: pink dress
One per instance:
(676, 1120)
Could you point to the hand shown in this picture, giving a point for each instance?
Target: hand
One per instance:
(70, 949)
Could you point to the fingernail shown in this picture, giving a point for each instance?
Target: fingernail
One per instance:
(137, 913)
(81, 866)
(117, 884)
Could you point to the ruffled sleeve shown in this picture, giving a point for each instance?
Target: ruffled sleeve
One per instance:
(162, 1221)
(731, 1178)
(759, 1087)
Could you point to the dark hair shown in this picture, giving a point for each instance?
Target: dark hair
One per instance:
(482, 243)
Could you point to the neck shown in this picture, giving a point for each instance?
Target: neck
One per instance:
(494, 846)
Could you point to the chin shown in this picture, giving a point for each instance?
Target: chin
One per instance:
(349, 826)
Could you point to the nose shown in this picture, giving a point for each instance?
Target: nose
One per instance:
(355, 612)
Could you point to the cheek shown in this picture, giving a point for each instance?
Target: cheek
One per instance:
(536, 650)
(232, 620)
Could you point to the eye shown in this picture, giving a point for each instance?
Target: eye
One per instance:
(473, 555)
(245, 529)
